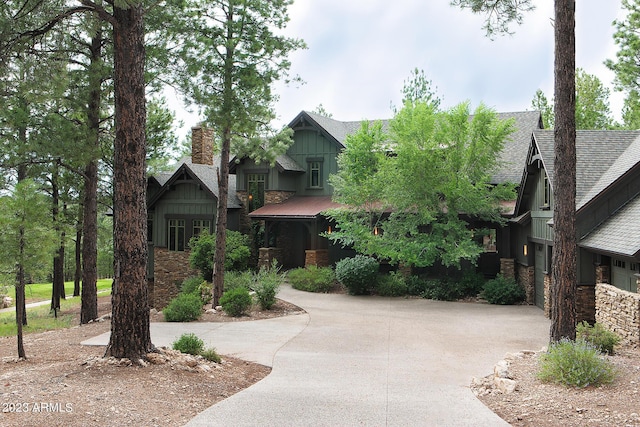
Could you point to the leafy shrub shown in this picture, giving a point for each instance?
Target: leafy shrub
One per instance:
(416, 285)
(183, 308)
(471, 283)
(211, 355)
(441, 290)
(191, 285)
(357, 274)
(391, 285)
(205, 290)
(502, 290)
(312, 279)
(237, 279)
(203, 248)
(189, 344)
(236, 302)
(576, 364)
(601, 338)
(266, 284)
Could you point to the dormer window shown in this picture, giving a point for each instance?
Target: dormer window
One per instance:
(314, 168)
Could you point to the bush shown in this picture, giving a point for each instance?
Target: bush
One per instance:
(236, 302)
(211, 355)
(183, 308)
(312, 279)
(391, 285)
(471, 284)
(266, 284)
(503, 291)
(575, 364)
(191, 285)
(237, 279)
(357, 274)
(441, 290)
(416, 286)
(601, 338)
(189, 344)
(203, 248)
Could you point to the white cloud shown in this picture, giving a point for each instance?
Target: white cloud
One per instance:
(361, 51)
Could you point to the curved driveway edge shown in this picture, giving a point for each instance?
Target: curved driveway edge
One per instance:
(372, 361)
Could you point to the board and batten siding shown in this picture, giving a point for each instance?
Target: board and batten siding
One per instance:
(187, 200)
(312, 145)
(541, 211)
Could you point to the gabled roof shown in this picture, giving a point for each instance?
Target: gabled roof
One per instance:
(619, 234)
(204, 175)
(514, 152)
(512, 157)
(335, 130)
(602, 156)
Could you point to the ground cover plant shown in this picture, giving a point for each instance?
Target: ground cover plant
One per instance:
(600, 337)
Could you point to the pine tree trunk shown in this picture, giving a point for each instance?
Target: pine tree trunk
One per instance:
(89, 293)
(130, 334)
(221, 220)
(89, 298)
(77, 275)
(564, 260)
(58, 260)
(21, 314)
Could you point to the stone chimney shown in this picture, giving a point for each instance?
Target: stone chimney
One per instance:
(201, 145)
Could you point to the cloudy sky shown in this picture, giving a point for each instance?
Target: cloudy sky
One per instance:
(360, 52)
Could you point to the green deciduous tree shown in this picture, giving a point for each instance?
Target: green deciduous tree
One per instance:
(27, 242)
(413, 206)
(231, 56)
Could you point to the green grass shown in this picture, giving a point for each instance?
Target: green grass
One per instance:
(40, 318)
(42, 291)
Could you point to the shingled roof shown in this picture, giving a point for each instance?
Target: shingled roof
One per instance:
(205, 175)
(602, 156)
(512, 158)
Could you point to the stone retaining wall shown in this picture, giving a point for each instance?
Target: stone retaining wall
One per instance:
(170, 269)
(619, 312)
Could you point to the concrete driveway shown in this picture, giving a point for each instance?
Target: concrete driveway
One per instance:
(364, 361)
(371, 361)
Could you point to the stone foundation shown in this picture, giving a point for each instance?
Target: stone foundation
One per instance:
(527, 279)
(508, 268)
(170, 269)
(317, 257)
(619, 312)
(603, 274)
(266, 256)
(547, 296)
(586, 304)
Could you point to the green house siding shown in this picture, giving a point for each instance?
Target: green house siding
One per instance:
(542, 209)
(309, 148)
(186, 201)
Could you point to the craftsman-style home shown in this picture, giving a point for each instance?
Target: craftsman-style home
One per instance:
(607, 215)
(181, 204)
(289, 198)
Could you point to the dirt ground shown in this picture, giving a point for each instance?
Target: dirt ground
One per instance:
(548, 405)
(63, 383)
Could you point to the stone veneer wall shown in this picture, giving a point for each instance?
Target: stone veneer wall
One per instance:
(527, 279)
(619, 312)
(586, 303)
(277, 196)
(508, 268)
(170, 269)
(317, 257)
(603, 274)
(547, 296)
(202, 145)
(267, 255)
